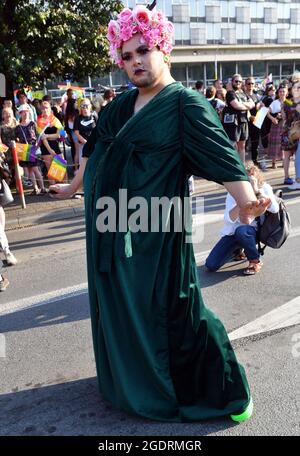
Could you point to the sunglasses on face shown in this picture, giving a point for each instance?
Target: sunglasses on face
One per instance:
(250, 83)
(85, 106)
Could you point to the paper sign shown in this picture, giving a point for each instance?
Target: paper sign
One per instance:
(260, 117)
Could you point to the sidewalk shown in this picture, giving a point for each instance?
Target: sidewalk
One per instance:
(44, 209)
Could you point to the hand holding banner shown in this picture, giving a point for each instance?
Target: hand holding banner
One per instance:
(260, 117)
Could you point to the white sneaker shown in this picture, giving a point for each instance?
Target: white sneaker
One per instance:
(294, 186)
(11, 260)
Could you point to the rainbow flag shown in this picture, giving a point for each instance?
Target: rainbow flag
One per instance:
(26, 152)
(52, 121)
(58, 169)
(3, 148)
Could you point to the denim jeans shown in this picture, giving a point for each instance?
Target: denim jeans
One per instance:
(244, 237)
(297, 161)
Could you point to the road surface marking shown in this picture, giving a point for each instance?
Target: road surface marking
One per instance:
(284, 316)
(42, 299)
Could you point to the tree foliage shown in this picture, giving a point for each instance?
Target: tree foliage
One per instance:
(46, 39)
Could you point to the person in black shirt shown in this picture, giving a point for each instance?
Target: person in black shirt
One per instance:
(266, 126)
(235, 115)
(84, 123)
(253, 130)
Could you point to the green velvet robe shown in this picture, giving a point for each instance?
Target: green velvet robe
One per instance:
(159, 351)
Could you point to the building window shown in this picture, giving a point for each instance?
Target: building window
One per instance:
(210, 71)
(213, 13)
(257, 36)
(198, 35)
(244, 68)
(178, 72)
(259, 69)
(287, 69)
(295, 15)
(283, 36)
(196, 72)
(274, 69)
(181, 13)
(228, 70)
(271, 15)
(243, 15)
(229, 35)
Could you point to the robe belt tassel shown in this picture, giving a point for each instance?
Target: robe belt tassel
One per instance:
(118, 160)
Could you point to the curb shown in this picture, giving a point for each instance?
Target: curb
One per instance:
(23, 220)
(43, 217)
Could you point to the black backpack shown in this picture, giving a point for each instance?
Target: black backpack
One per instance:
(275, 228)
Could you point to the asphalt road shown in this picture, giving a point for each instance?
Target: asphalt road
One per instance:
(47, 373)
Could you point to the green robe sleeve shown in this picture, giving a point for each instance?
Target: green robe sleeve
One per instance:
(208, 152)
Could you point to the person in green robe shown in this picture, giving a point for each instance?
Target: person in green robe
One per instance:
(159, 351)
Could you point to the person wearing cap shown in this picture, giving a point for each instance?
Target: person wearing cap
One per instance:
(159, 351)
(23, 100)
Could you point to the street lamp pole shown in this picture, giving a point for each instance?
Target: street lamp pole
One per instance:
(221, 41)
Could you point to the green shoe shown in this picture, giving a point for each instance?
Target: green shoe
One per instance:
(246, 415)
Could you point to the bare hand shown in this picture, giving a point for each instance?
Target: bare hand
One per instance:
(60, 191)
(253, 209)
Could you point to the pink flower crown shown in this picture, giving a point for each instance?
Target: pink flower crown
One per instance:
(155, 28)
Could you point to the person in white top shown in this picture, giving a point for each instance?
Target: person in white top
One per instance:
(236, 235)
(274, 114)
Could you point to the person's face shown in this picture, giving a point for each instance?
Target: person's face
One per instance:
(7, 104)
(85, 107)
(143, 66)
(237, 83)
(7, 116)
(70, 94)
(221, 94)
(24, 116)
(296, 91)
(46, 109)
(23, 99)
(282, 92)
(250, 84)
(218, 84)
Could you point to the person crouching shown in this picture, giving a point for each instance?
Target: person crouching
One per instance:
(236, 235)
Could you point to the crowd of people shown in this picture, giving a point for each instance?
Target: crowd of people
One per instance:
(20, 124)
(237, 103)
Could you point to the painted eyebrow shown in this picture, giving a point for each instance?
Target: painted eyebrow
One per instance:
(143, 47)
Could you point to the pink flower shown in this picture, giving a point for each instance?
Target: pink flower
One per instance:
(169, 27)
(125, 15)
(113, 30)
(126, 33)
(142, 16)
(154, 27)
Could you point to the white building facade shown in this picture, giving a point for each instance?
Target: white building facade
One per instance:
(217, 38)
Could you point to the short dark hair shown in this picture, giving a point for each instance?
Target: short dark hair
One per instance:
(21, 92)
(47, 98)
(199, 85)
(210, 92)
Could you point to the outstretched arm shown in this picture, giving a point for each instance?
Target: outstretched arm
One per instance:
(249, 206)
(62, 191)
